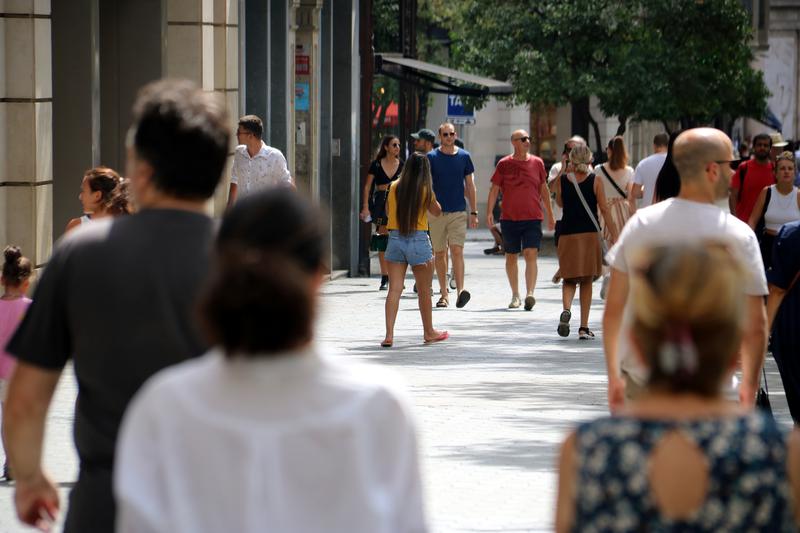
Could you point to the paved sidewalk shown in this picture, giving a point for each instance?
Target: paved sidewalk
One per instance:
(493, 402)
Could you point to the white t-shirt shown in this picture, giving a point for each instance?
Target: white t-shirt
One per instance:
(265, 169)
(294, 444)
(676, 221)
(622, 181)
(646, 174)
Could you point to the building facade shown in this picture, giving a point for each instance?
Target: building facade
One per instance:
(71, 72)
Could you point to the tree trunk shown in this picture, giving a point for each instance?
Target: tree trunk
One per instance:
(623, 125)
(667, 128)
(600, 152)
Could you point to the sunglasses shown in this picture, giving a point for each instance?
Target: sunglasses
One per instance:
(448, 134)
(395, 145)
(733, 163)
(523, 139)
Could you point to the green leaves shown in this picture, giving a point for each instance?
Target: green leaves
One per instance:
(661, 60)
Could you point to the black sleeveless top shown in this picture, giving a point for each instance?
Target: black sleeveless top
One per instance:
(575, 220)
(380, 177)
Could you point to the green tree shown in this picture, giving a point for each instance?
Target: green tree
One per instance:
(685, 61)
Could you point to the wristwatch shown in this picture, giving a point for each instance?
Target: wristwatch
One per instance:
(473, 213)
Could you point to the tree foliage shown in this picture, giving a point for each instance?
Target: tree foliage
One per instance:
(684, 61)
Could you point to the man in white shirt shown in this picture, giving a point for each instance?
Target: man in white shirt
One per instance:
(647, 170)
(256, 166)
(702, 157)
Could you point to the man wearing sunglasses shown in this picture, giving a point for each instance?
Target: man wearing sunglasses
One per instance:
(702, 157)
(453, 182)
(256, 166)
(522, 179)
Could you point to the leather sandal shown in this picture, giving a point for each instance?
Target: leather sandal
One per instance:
(442, 302)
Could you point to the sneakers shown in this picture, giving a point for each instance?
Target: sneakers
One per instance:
(452, 282)
(563, 323)
(463, 298)
(530, 301)
(515, 302)
(384, 283)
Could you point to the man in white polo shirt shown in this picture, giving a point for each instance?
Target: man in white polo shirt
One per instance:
(256, 166)
(702, 157)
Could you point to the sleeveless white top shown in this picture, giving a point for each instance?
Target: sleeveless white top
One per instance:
(781, 210)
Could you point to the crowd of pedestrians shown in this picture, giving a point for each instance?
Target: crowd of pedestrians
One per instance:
(204, 403)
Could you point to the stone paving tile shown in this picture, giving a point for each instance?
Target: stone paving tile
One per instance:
(493, 402)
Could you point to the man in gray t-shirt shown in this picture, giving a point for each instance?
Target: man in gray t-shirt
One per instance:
(117, 296)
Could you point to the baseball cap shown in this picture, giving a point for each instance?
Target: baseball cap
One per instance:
(777, 140)
(424, 134)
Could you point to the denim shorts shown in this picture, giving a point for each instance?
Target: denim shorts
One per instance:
(520, 234)
(414, 249)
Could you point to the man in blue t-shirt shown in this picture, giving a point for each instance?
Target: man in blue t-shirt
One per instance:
(454, 185)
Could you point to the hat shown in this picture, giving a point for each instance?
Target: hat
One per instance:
(777, 140)
(424, 134)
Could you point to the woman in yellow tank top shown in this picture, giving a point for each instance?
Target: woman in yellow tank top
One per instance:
(410, 199)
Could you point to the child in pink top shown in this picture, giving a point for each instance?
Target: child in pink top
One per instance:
(16, 278)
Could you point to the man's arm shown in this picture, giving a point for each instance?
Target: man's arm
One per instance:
(232, 195)
(544, 193)
(774, 301)
(616, 296)
(24, 413)
(493, 193)
(754, 344)
(472, 199)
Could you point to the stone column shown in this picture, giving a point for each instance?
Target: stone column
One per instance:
(203, 46)
(26, 137)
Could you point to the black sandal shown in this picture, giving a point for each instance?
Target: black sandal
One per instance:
(563, 323)
(585, 333)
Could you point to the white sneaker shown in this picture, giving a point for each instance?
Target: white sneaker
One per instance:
(515, 303)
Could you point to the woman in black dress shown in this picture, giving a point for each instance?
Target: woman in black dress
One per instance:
(385, 168)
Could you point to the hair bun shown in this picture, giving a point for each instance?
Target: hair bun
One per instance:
(12, 254)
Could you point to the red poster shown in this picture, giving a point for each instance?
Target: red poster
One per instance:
(302, 65)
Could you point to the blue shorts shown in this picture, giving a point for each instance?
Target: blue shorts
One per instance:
(414, 249)
(520, 234)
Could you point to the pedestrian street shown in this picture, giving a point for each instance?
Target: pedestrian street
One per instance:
(495, 400)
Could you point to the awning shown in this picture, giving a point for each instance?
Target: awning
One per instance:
(438, 79)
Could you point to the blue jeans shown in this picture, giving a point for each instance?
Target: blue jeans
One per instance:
(413, 249)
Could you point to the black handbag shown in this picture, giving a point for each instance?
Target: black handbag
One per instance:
(762, 397)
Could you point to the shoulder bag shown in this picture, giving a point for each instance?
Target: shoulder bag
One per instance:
(614, 183)
(603, 247)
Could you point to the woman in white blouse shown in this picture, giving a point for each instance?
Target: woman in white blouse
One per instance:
(265, 433)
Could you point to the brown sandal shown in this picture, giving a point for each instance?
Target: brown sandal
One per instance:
(442, 302)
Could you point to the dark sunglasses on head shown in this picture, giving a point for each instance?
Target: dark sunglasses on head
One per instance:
(523, 139)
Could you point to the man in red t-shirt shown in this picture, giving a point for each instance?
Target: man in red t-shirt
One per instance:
(751, 177)
(523, 180)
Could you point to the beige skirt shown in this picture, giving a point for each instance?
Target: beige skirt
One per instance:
(580, 256)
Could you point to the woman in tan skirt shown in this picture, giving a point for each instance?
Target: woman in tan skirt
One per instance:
(580, 258)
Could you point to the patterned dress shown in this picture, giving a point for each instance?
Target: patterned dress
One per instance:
(748, 489)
